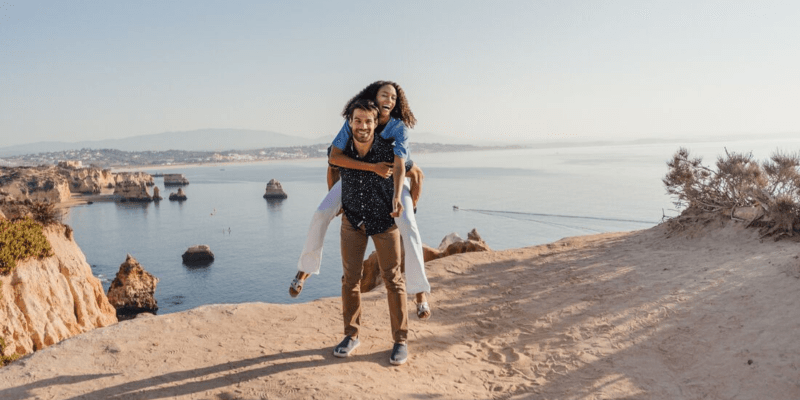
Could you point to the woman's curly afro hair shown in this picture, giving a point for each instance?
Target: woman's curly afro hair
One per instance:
(401, 109)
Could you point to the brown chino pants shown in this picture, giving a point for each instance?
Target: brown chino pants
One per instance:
(387, 244)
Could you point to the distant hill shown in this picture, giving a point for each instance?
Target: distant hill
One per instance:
(427, 137)
(198, 140)
(202, 140)
(245, 139)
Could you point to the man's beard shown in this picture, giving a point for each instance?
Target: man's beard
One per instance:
(361, 138)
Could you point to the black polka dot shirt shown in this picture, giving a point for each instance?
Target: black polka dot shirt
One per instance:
(366, 197)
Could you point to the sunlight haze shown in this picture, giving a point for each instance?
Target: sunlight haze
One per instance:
(514, 71)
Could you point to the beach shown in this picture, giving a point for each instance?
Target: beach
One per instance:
(707, 312)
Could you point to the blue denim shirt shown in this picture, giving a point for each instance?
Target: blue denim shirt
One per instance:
(395, 130)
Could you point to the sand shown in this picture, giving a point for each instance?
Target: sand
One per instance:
(707, 314)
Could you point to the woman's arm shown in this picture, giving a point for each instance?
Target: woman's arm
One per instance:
(339, 159)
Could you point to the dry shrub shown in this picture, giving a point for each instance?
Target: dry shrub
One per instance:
(19, 240)
(739, 181)
(44, 212)
(4, 359)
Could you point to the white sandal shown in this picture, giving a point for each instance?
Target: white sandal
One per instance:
(423, 309)
(297, 285)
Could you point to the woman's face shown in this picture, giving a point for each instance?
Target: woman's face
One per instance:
(386, 99)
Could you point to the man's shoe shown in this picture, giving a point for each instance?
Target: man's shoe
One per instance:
(346, 347)
(399, 354)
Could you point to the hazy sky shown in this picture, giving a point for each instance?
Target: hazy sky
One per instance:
(513, 70)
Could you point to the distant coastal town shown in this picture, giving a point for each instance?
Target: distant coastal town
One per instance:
(108, 158)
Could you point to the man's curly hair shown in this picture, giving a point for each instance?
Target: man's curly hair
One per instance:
(401, 109)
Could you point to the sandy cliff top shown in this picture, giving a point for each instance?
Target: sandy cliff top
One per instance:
(627, 315)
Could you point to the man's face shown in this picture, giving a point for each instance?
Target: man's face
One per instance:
(363, 125)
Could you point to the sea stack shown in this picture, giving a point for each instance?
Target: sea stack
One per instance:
(274, 190)
(156, 194)
(133, 290)
(180, 196)
(175, 180)
(132, 191)
(473, 243)
(198, 255)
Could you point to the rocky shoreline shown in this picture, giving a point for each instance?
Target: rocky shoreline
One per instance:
(68, 184)
(652, 314)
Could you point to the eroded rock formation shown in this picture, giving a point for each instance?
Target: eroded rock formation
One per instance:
(133, 290)
(138, 177)
(198, 255)
(132, 191)
(449, 239)
(56, 183)
(451, 244)
(180, 196)
(175, 180)
(87, 180)
(44, 301)
(274, 190)
(430, 253)
(473, 243)
(156, 194)
(70, 164)
(33, 183)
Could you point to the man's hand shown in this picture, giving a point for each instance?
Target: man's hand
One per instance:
(383, 169)
(397, 207)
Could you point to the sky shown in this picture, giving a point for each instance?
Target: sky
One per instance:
(509, 71)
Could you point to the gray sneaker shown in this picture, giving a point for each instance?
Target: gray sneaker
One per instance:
(399, 354)
(346, 347)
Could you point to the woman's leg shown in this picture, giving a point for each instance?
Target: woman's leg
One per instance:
(311, 257)
(416, 281)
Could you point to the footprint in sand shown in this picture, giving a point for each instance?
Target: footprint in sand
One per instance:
(486, 324)
(501, 354)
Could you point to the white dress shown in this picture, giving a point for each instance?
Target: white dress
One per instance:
(311, 258)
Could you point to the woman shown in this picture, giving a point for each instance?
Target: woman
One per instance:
(393, 120)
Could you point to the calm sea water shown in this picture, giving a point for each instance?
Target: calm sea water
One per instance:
(515, 198)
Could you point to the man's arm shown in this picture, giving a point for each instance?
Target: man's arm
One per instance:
(399, 172)
(339, 159)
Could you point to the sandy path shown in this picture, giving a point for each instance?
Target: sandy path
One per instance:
(616, 316)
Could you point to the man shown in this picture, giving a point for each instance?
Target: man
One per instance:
(368, 204)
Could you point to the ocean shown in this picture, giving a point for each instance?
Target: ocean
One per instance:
(514, 198)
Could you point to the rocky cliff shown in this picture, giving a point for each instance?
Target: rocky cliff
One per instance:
(88, 180)
(137, 177)
(44, 301)
(55, 184)
(132, 191)
(33, 183)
